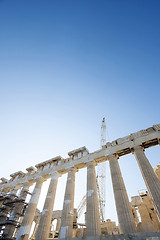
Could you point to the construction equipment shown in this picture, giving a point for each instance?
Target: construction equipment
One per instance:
(101, 176)
(101, 181)
(81, 206)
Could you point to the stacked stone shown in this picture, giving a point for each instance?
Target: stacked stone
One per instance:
(124, 211)
(46, 216)
(92, 214)
(26, 224)
(68, 207)
(151, 180)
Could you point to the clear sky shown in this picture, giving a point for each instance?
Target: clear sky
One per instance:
(66, 64)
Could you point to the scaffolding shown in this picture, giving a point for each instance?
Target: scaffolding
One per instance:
(9, 203)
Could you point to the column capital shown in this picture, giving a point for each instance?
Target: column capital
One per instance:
(139, 147)
(55, 175)
(114, 155)
(26, 184)
(91, 163)
(72, 169)
(40, 179)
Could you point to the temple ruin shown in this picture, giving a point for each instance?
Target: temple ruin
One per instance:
(138, 219)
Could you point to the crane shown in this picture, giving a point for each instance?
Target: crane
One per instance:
(101, 175)
(100, 180)
(103, 133)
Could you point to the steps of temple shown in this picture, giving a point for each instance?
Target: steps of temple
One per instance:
(131, 236)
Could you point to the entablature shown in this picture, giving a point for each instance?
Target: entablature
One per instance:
(79, 157)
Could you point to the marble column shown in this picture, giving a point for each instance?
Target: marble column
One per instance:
(123, 207)
(46, 216)
(151, 180)
(68, 207)
(17, 211)
(26, 225)
(92, 214)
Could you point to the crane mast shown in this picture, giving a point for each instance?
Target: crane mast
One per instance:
(103, 133)
(100, 180)
(101, 176)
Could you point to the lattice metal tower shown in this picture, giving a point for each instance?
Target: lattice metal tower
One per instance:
(101, 175)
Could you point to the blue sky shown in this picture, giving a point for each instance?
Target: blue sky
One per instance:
(66, 64)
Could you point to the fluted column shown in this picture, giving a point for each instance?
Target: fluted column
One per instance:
(92, 214)
(17, 211)
(124, 211)
(151, 180)
(68, 207)
(26, 225)
(46, 216)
